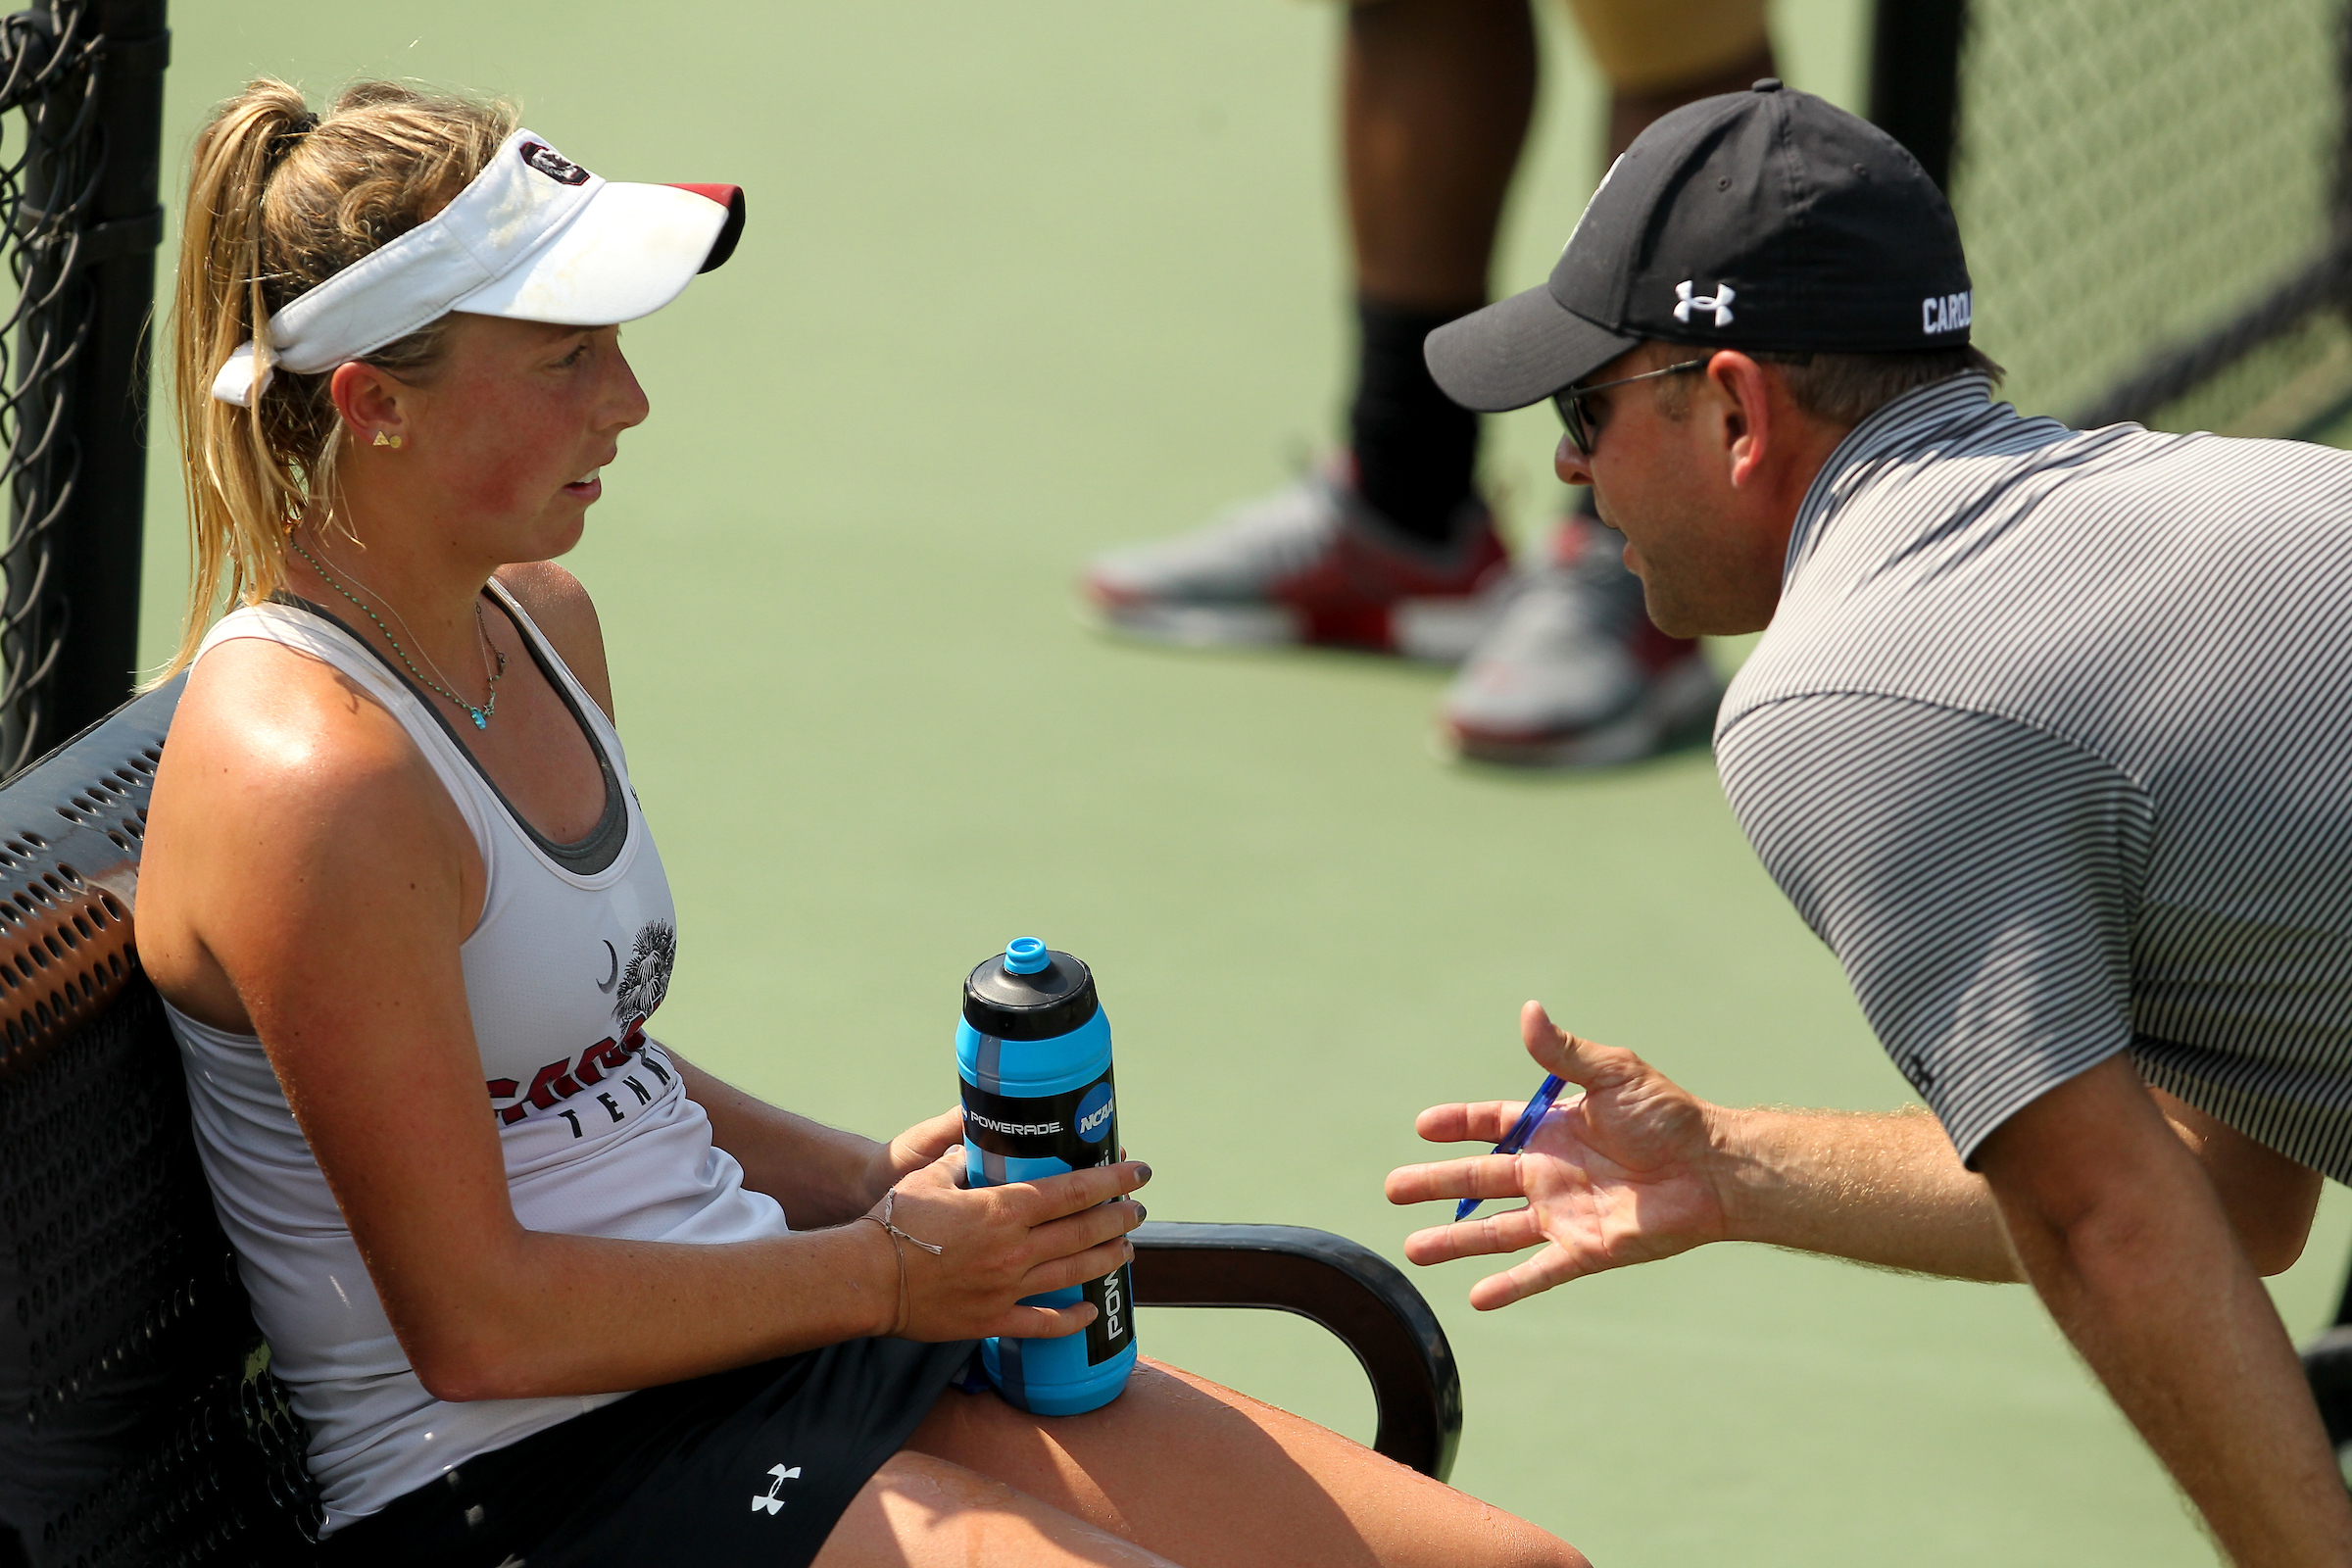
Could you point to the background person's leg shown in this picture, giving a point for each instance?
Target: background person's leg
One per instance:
(1435, 101)
(1573, 673)
(1391, 548)
(1434, 109)
(1203, 1475)
(1387, 548)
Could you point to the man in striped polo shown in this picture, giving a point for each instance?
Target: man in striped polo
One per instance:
(2049, 737)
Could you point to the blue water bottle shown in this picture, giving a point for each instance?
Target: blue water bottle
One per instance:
(1034, 1051)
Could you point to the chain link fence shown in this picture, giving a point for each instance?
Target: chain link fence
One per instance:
(2148, 190)
(48, 147)
(81, 144)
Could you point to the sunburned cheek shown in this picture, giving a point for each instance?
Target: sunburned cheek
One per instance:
(505, 488)
(509, 460)
(510, 448)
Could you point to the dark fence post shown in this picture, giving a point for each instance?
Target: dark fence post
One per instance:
(88, 224)
(1915, 78)
(98, 552)
(98, 558)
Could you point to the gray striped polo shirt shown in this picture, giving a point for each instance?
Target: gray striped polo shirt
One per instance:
(2050, 739)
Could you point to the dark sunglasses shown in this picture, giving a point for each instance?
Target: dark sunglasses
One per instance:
(1583, 423)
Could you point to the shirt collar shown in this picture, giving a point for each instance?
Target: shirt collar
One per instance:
(1912, 426)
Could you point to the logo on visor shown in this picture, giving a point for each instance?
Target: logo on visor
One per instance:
(553, 164)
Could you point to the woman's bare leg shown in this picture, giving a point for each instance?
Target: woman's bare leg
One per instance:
(918, 1512)
(1213, 1479)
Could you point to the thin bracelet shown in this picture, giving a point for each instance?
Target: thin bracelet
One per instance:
(897, 1236)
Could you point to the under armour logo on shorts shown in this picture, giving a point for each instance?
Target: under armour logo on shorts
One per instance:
(768, 1500)
(1720, 302)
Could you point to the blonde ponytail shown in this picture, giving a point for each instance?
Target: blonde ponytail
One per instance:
(279, 200)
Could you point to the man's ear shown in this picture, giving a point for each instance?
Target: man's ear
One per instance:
(371, 401)
(1751, 430)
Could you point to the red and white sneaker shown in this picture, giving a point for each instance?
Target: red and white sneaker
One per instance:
(1310, 564)
(1573, 673)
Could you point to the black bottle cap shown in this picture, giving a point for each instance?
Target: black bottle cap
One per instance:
(1047, 1002)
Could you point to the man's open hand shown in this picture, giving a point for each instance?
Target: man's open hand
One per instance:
(1617, 1175)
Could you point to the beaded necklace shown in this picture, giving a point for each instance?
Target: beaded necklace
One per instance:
(481, 716)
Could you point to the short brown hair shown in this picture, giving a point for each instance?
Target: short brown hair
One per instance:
(1846, 389)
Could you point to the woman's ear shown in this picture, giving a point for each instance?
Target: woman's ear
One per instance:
(373, 403)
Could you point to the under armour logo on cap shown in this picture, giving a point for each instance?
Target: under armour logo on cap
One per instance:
(1838, 240)
(1720, 302)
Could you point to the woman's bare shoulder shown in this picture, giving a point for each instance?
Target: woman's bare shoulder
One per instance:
(561, 607)
(262, 713)
(286, 801)
(280, 751)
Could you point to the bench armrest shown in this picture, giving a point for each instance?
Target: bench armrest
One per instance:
(1342, 1285)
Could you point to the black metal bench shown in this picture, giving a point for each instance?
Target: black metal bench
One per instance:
(138, 1420)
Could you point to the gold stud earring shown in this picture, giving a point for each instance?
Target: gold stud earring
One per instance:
(384, 440)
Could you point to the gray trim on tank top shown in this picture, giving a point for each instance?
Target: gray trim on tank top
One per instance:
(584, 857)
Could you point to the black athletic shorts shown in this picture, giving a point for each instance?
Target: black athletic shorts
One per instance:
(749, 1466)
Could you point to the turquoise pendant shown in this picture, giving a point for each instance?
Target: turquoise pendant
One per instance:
(481, 720)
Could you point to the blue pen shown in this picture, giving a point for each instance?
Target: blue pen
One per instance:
(1521, 1130)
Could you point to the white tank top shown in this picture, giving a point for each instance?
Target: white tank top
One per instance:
(572, 954)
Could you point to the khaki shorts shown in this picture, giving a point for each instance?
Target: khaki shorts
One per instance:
(1646, 45)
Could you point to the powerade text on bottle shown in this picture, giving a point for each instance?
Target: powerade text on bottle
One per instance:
(1034, 1051)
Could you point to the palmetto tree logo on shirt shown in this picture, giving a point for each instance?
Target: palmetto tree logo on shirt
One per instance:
(645, 979)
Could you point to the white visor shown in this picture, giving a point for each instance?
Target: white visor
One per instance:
(533, 237)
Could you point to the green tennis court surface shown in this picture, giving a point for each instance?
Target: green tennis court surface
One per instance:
(1029, 278)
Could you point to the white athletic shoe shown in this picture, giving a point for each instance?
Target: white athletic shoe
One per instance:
(1310, 564)
(1574, 674)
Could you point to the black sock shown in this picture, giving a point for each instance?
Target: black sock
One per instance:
(1414, 446)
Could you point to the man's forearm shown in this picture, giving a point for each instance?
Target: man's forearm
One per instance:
(1882, 1188)
(2133, 1255)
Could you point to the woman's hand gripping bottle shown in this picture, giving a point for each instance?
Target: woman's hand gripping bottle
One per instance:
(1034, 1053)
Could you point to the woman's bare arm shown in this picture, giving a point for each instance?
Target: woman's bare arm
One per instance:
(302, 850)
(822, 1175)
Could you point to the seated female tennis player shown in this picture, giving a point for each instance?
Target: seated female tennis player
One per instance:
(412, 927)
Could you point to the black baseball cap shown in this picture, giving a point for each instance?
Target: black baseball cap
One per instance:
(1757, 220)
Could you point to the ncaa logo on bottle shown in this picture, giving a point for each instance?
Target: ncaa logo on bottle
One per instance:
(1093, 1114)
